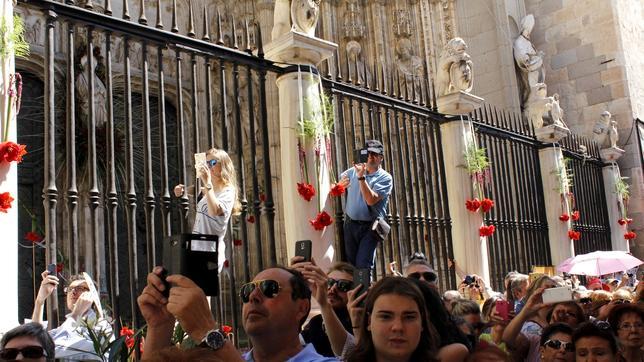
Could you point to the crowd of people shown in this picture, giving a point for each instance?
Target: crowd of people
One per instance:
(400, 317)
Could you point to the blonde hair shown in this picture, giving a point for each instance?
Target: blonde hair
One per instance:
(601, 296)
(228, 175)
(623, 293)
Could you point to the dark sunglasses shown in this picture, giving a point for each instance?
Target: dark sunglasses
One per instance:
(417, 256)
(10, 354)
(585, 300)
(557, 344)
(211, 163)
(269, 288)
(343, 285)
(427, 276)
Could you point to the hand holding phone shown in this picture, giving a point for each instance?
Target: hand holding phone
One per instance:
(503, 309)
(51, 269)
(303, 249)
(556, 295)
(361, 156)
(362, 277)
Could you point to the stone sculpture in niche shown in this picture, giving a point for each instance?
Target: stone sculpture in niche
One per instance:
(305, 14)
(83, 92)
(556, 113)
(600, 131)
(406, 61)
(529, 61)
(356, 65)
(613, 136)
(538, 104)
(454, 69)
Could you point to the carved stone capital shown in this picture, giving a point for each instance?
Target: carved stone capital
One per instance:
(458, 103)
(611, 154)
(551, 133)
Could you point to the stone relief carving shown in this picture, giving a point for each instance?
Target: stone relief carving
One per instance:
(353, 26)
(354, 49)
(83, 91)
(407, 63)
(305, 14)
(529, 61)
(556, 113)
(454, 69)
(600, 131)
(402, 26)
(538, 104)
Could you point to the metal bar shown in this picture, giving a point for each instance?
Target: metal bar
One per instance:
(70, 146)
(150, 202)
(184, 201)
(166, 201)
(253, 156)
(196, 140)
(209, 120)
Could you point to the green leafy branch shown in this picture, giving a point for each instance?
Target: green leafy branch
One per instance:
(564, 177)
(13, 39)
(623, 194)
(476, 160)
(319, 122)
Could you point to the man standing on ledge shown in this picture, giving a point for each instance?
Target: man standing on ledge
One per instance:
(368, 188)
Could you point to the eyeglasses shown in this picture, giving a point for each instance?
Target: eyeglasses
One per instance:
(557, 344)
(565, 313)
(628, 326)
(417, 256)
(10, 354)
(373, 154)
(427, 276)
(621, 301)
(79, 289)
(211, 163)
(343, 285)
(603, 325)
(269, 288)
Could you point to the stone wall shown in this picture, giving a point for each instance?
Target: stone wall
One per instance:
(594, 61)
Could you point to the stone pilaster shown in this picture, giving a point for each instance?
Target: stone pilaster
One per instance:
(611, 175)
(8, 183)
(470, 250)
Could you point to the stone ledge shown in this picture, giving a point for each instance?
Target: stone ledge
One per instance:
(295, 47)
(458, 103)
(552, 133)
(611, 154)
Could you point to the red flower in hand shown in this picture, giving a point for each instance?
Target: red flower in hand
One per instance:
(59, 267)
(574, 235)
(225, 329)
(621, 222)
(129, 336)
(33, 237)
(307, 191)
(575, 215)
(5, 201)
(251, 219)
(487, 204)
(237, 242)
(10, 152)
(321, 221)
(630, 235)
(337, 190)
(473, 205)
(564, 217)
(487, 230)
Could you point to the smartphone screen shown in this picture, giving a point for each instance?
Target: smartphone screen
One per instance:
(51, 268)
(303, 249)
(361, 156)
(362, 277)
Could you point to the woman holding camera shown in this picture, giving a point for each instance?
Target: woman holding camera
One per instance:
(219, 200)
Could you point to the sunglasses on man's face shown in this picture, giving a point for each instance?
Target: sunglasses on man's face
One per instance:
(343, 285)
(269, 288)
(427, 276)
(211, 163)
(10, 354)
(557, 344)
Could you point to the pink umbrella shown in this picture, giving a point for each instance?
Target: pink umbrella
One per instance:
(599, 263)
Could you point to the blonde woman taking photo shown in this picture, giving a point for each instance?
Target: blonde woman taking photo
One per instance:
(218, 202)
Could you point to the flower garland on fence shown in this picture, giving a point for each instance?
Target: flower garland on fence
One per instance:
(564, 180)
(316, 127)
(623, 195)
(478, 167)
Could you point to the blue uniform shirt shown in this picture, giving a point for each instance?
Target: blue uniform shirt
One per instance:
(307, 354)
(356, 208)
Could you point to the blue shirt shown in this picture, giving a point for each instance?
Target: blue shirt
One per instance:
(356, 208)
(307, 354)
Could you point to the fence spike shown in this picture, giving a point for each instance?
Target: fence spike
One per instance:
(338, 71)
(232, 21)
(394, 81)
(191, 20)
(249, 49)
(175, 28)
(349, 69)
(159, 24)
(89, 5)
(108, 7)
(206, 24)
(384, 79)
(328, 68)
(376, 80)
(258, 40)
(220, 34)
(142, 19)
(126, 10)
(366, 74)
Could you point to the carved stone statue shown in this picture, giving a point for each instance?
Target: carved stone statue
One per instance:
(556, 113)
(305, 14)
(600, 131)
(538, 104)
(407, 63)
(613, 136)
(529, 61)
(83, 92)
(454, 68)
(281, 19)
(356, 65)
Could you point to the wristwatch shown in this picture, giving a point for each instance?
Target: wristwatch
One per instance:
(209, 186)
(214, 340)
(361, 178)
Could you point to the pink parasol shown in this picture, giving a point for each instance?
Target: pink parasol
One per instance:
(599, 263)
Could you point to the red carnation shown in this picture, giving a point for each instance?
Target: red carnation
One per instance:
(487, 204)
(321, 221)
(575, 215)
(226, 263)
(33, 237)
(10, 152)
(473, 205)
(129, 336)
(574, 235)
(337, 190)
(262, 197)
(307, 191)
(237, 242)
(59, 267)
(5, 201)
(487, 230)
(630, 235)
(564, 217)
(621, 222)
(629, 220)
(226, 329)
(251, 219)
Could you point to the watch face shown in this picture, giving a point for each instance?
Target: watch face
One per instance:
(215, 339)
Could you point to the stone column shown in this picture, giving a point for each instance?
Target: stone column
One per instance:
(8, 183)
(611, 176)
(551, 159)
(297, 48)
(470, 249)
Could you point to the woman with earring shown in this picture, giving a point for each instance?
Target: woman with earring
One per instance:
(219, 200)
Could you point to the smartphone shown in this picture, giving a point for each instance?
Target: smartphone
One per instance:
(362, 277)
(303, 249)
(51, 268)
(503, 309)
(556, 295)
(469, 280)
(361, 156)
(194, 256)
